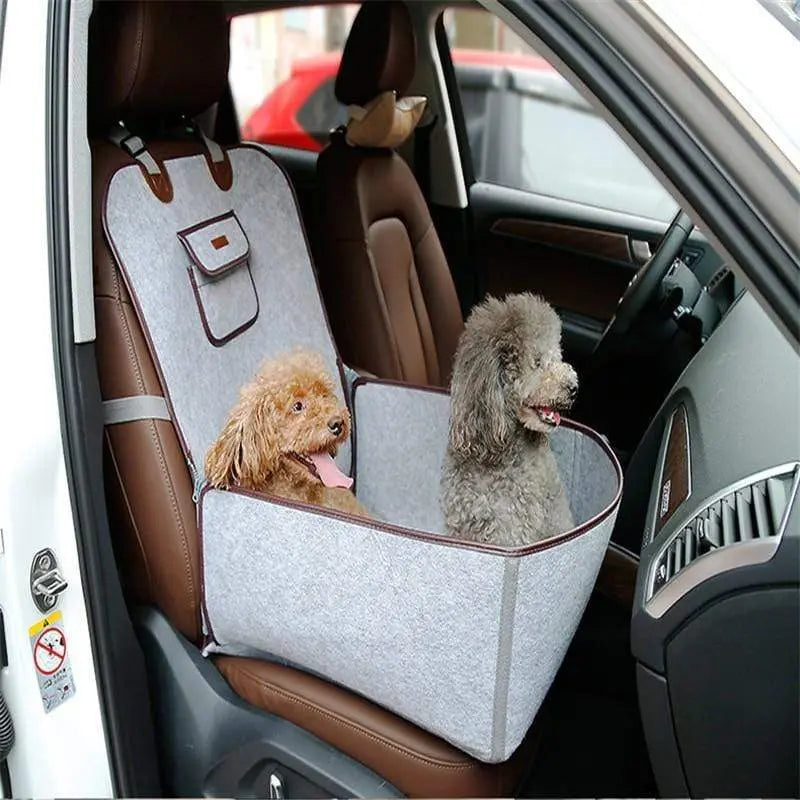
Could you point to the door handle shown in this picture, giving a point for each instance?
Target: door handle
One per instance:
(640, 250)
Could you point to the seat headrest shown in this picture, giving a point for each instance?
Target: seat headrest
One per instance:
(380, 54)
(155, 58)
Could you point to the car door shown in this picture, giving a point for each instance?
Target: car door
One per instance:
(559, 205)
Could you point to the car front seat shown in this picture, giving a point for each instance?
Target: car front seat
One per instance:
(151, 63)
(380, 260)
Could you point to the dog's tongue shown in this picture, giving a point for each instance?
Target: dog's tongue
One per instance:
(555, 417)
(328, 472)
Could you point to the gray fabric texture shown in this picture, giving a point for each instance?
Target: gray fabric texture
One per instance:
(462, 641)
(130, 409)
(401, 437)
(203, 381)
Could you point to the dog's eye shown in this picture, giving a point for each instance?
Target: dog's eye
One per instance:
(298, 407)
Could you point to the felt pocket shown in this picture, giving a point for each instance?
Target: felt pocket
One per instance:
(219, 272)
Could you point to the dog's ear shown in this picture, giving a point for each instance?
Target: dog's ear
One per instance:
(246, 452)
(480, 423)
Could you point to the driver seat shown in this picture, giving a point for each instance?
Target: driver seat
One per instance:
(381, 262)
(153, 63)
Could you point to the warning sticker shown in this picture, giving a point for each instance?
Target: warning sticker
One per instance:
(51, 660)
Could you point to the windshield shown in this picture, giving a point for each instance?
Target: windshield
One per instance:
(753, 48)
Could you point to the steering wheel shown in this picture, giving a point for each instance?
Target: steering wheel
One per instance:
(644, 285)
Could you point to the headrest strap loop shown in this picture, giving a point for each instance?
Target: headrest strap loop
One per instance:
(154, 172)
(219, 164)
(134, 146)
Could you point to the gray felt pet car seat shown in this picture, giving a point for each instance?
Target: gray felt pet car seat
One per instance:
(461, 638)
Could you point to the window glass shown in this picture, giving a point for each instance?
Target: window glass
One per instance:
(283, 67)
(527, 128)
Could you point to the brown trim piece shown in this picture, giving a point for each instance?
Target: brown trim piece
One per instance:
(617, 576)
(675, 483)
(588, 241)
(221, 171)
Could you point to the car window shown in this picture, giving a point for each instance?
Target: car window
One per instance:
(527, 128)
(282, 71)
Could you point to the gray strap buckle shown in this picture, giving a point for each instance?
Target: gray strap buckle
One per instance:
(134, 146)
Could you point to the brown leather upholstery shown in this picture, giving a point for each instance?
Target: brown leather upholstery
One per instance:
(417, 763)
(379, 55)
(154, 58)
(390, 297)
(381, 262)
(153, 519)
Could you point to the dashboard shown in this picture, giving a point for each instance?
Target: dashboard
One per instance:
(715, 630)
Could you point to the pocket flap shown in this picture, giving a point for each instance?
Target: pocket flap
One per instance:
(216, 245)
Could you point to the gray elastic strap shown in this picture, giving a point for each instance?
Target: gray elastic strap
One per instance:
(130, 409)
(134, 146)
(508, 603)
(214, 150)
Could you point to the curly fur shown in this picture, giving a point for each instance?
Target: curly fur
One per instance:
(285, 410)
(500, 482)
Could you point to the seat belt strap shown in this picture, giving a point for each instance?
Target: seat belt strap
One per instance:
(422, 156)
(136, 407)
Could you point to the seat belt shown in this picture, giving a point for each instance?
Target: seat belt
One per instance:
(422, 156)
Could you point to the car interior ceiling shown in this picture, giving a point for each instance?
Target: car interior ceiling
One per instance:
(591, 740)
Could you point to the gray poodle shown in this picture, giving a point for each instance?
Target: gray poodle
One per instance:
(500, 482)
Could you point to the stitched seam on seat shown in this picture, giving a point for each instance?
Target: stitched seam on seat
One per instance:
(384, 306)
(423, 236)
(132, 356)
(349, 724)
(131, 515)
(429, 368)
(187, 562)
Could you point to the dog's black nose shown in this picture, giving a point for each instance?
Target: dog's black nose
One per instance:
(573, 392)
(335, 426)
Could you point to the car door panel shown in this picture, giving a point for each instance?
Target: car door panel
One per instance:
(580, 258)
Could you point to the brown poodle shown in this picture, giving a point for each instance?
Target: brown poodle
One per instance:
(280, 438)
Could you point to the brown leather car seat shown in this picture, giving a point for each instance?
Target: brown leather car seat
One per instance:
(151, 62)
(387, 286)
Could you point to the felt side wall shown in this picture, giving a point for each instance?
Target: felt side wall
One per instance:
(552, 590)
(410, 624)
(401, 437)
(203, 380)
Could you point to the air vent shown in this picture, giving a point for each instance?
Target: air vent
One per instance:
(748, 513)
